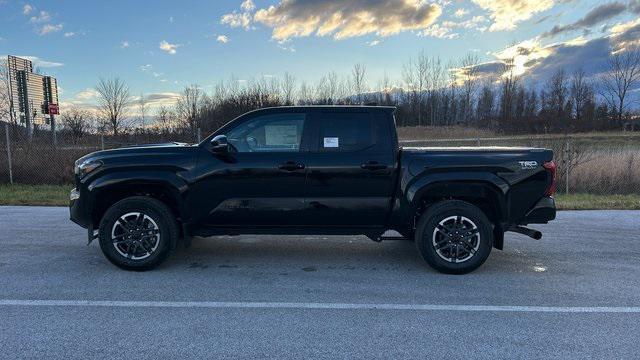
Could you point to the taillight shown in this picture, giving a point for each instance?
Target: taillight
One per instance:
(551, 168)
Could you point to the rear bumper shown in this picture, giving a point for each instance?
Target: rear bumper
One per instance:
(542, 212)
(77, 209)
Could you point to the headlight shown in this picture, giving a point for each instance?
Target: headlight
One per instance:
(87, 166)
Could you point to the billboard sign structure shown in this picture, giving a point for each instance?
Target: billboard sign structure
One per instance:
(31, 94)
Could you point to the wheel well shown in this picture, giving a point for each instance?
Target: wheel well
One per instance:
(481, 195)
(484, 196)
(107, 197)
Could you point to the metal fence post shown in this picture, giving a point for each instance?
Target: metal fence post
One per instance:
(567, 156)
(6, 131)
(199, 136)
(101, 141)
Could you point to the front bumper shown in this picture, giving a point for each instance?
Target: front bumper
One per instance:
(542, 212)
(78, 212)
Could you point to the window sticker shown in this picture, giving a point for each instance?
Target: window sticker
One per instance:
(280, 135)
(331, 142)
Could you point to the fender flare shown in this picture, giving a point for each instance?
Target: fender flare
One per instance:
(467, 180)
(172, 185)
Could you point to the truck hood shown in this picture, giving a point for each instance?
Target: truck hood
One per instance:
(135, 150)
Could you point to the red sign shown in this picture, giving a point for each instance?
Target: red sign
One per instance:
(53, 109)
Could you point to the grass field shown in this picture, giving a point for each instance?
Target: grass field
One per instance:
(58, 195)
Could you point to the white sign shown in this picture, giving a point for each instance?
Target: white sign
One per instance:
(280, 135)
(331, 142)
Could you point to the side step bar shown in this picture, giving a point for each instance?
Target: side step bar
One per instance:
(534, 234)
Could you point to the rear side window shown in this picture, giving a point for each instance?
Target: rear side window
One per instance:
(346, 132)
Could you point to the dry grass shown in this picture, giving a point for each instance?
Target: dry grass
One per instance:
(607, 172)
(442, 132)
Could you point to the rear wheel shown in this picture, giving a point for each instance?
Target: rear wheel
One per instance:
(454, 237)
(136, 233)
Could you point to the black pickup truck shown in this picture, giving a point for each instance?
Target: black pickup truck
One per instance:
(312, 170)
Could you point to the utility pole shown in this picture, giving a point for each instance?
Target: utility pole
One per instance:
(53, 130)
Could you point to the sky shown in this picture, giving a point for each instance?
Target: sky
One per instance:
(160, 47)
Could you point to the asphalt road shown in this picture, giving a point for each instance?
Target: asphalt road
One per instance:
(574, 294)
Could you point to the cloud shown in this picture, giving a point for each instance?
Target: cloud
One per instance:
(460, 13)
(146, 67)
(125, 44)
(237, 20)
(49, 28)
(536, 62)
(171, 20)
(248, 5)
(440, 32)
(169, 48)
(41, 63)
(69, 34)
(27, 9)
(373, 43)
(86, 94)
(222, 39)
(507, 13)
(42, 17)
(594, 16)
(339, 19)
(626, 35)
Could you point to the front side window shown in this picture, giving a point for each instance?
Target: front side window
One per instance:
(269, 133)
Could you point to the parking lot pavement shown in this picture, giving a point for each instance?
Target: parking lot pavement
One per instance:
(574, 294)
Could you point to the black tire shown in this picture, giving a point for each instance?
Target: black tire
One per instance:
(156, 211)
(467, 215)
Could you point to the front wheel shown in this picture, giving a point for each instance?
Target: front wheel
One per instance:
(454, 237)
(136, 233)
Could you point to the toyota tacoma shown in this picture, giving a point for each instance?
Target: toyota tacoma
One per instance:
(335, 170)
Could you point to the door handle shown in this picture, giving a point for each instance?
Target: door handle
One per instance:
(373, 165)
(291, 166)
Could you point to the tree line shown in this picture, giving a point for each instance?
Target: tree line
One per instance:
(429, 93)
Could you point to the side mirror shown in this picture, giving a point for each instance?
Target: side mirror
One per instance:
(220, 145)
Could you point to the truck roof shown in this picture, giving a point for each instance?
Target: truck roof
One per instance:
(341, 108)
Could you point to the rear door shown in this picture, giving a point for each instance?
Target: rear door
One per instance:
(350, 169)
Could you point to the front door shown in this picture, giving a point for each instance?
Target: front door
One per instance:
(262, 182)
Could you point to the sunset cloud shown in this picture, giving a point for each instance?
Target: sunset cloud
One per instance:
(339, 19)
(595, 16)
(507, 13)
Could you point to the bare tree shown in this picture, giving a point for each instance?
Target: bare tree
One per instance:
(288, 85)
(305, 94)
(486, 100)
(508, 87)
(580, 93)
(142, 107)
(622, 75)
(358, 73)
(164, 117)
(77, 121)
(188, 107)
(113, 101)
(469, 67)
(5, 101)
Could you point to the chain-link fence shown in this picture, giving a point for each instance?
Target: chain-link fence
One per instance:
(594, 164)
(587, 163)
(45, 160)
